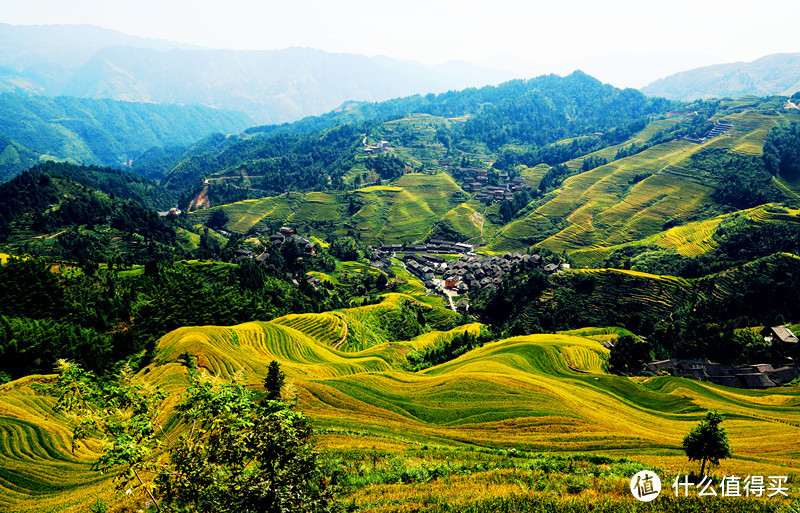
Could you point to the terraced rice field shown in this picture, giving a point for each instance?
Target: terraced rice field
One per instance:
(604, 206)
(406, 211)
(38, 469)
(692, 239)
(244, 215)
(541, 393)
(473, 221)
(607, 207)
(751, 128)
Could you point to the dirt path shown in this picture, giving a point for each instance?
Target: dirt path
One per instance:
(344, 337)
(450, 294)
(483, 220)
(48, 237)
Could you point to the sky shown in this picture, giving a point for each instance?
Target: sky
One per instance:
(435, 31)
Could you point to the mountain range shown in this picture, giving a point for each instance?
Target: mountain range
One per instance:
(777, 74)
(567, 214)
(271, 86)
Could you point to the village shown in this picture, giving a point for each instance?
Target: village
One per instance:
(478, 181)
(455, 277)
(762, 375)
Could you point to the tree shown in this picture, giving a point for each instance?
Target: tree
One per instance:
(227, 450)
(707, 442)
(241, 455)
(122, 413)
(629, 354)
(273, 383)
(218, 219)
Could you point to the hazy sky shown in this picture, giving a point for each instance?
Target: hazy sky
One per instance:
(434, 31)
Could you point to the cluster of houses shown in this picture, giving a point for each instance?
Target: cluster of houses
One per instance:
(762, 375)
(471, 272)
(477, 180)
(435, 246)
(466, 273)
(286, 234)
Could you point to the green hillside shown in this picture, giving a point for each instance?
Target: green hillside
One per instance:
(636, 197)
(327, 153)
(107, 132)
(14, 158)
(652, 184)
(404, 211)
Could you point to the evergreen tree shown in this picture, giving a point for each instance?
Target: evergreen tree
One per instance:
(273, 383)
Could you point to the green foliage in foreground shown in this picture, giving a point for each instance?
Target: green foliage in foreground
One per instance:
(108, 316)
(233, 452)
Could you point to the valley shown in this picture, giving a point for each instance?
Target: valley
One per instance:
(577, 244)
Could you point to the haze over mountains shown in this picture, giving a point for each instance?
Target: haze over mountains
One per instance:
(276, 86)
(773, 74)
(271, 86)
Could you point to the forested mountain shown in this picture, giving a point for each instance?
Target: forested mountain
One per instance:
(106, 132)
(270, 86)
(14, 158)
(777, 74)
(521, 115)
(53, 215)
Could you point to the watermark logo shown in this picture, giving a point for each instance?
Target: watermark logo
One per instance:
(733, 486)
(645, 485)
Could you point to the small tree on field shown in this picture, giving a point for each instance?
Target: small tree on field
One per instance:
(707, 442)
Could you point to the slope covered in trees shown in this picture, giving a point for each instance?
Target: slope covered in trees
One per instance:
(320, 153)
(107, 132)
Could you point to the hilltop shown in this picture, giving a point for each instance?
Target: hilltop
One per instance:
(777, 74)
(271, 86)
(327, 153)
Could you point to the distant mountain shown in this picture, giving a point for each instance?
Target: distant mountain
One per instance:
(777, 74)
(271, 86)
(619, 70)
(14, 158)
(105, 132)
(22, 46)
